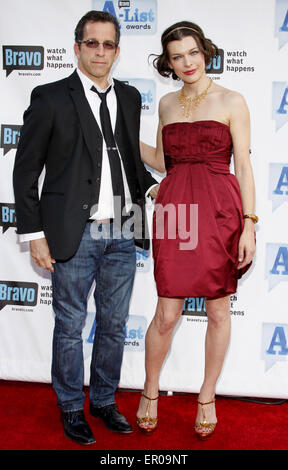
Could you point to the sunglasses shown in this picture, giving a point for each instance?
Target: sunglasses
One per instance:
(93, 44)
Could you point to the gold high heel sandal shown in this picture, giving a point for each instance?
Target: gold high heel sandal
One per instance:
(147, 420)
(209, 428)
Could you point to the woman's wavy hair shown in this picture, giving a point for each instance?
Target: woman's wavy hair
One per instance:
(179, 31)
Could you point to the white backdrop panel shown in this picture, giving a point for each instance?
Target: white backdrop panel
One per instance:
(253, 37)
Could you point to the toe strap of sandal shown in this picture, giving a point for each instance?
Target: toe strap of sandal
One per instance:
(204, 423)
(147, 418)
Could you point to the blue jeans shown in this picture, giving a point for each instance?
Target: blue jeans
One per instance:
(111, 262)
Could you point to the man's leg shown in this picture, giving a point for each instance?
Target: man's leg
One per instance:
(71, 282)
(114, 283)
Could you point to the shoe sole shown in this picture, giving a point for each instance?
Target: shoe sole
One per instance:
(203, 436)
(146, 432)
(79, 441)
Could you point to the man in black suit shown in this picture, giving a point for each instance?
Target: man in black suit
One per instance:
(72, 227)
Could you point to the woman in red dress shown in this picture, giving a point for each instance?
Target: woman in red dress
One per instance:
(198, 128)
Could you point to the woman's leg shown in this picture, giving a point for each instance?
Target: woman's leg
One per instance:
(157, 344)
(216, 344)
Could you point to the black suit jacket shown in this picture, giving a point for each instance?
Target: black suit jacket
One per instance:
(61, 135)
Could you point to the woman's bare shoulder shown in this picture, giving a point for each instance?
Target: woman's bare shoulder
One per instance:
(168, 98)
(166, 101)
(231, 99)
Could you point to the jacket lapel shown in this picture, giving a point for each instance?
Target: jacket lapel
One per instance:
(127, 114)
(90, 128)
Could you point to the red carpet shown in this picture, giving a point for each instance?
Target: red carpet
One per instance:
(30, 421)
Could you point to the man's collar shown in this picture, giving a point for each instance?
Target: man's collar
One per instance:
(88, 83)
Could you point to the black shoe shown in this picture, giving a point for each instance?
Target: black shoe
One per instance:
(77, 428)
(111, 417)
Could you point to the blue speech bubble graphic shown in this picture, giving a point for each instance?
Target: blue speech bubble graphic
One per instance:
(274, 344)
(281, 22)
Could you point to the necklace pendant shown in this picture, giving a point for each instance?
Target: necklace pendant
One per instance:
(188, 104)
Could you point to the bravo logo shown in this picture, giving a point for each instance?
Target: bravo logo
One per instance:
(217, 64)
(7, 216)
(274, 344)
(134, 16)
(18, 293)
(10, 134)
(281, 22)
(194, 306)
(278, 184)
(22, 58)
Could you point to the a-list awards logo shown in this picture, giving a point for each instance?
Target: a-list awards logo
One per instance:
(278, 184)
(135, 331)
(276, 269)
(280, 103)
(134, 16)
(274, 344)
(22, 58)
(18, 293)
(143, 260)
(147, 90)
(281, 22)
(10, 134)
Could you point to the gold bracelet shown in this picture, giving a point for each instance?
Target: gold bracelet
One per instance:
(252, 217)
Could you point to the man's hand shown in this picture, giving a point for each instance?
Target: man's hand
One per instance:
(41, 255)
(154, 191)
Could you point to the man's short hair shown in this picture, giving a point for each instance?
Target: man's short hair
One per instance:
(94, 16)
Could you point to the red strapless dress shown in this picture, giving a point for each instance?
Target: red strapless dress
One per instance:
(197, 158)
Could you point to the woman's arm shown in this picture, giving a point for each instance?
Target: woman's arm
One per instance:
(240, 131)
(152, 156)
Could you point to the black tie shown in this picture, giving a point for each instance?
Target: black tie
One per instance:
(113, 155)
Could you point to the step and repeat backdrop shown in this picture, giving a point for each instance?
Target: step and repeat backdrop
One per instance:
(37, 47)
